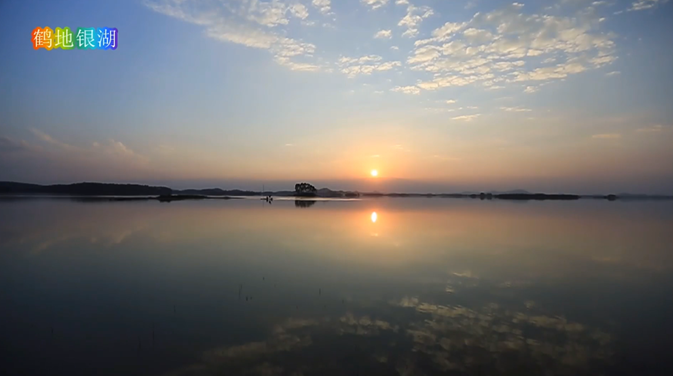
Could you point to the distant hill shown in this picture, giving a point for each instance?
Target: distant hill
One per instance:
(323, 192)
(83, 189)
(217, 192)
(485, 196)
(536, 196)
(109, 189)
(326, 192)
(632, 196)
(168, 194)
(513, 191)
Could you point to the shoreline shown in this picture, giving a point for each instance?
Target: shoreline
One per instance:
(480, 197)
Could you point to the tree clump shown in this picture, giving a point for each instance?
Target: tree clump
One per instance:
(305, 190)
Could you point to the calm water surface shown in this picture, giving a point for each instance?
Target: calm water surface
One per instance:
(372, 287)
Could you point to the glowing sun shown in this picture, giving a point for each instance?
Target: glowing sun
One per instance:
(374, 173)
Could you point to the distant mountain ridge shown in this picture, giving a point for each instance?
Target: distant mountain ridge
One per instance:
(84, 189)
(216, 192)
(513, 191)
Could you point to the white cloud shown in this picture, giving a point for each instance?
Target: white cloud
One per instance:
(451, 101)
(413, 19)
(531, 89)
(50, 140)
(613, 73)
(413, 90)
(295, 66)
(116, 148)
(645, 4)
(534, 52)
(477, 36)
(443, 33)
(549, 73)
(446, 81)
(272, 13)
(375, 4)
(515, 109)
(384, 34)
(362, 59)
(365, 65)
(323, 6)
(506, 45)
(109, 148)
(250, 24)
(424, 54)
(466, 117)
(299, 10)
(394, 48)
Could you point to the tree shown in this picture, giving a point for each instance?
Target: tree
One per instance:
(304, 189)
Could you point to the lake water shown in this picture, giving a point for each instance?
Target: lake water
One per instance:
(386, 286)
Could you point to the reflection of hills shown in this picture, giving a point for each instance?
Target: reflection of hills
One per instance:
(304, 203)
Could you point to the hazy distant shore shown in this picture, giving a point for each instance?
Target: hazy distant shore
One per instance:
(136, 192)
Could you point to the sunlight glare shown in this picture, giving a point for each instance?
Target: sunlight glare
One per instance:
(374, 217)
(374, 173)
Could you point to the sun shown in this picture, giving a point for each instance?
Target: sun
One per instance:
(374, 173)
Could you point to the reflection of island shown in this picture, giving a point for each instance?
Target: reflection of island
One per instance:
(304, 203)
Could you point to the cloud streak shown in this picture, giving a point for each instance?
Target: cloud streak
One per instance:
(251, 24)
(466, 117)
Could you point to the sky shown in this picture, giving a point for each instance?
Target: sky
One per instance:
(437, 96)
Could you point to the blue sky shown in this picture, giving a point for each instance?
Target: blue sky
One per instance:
(436, 95)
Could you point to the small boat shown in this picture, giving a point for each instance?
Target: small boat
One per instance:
(267, 198)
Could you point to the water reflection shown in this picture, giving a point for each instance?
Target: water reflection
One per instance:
(447, 286)
(304, 203)
(435, 340)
